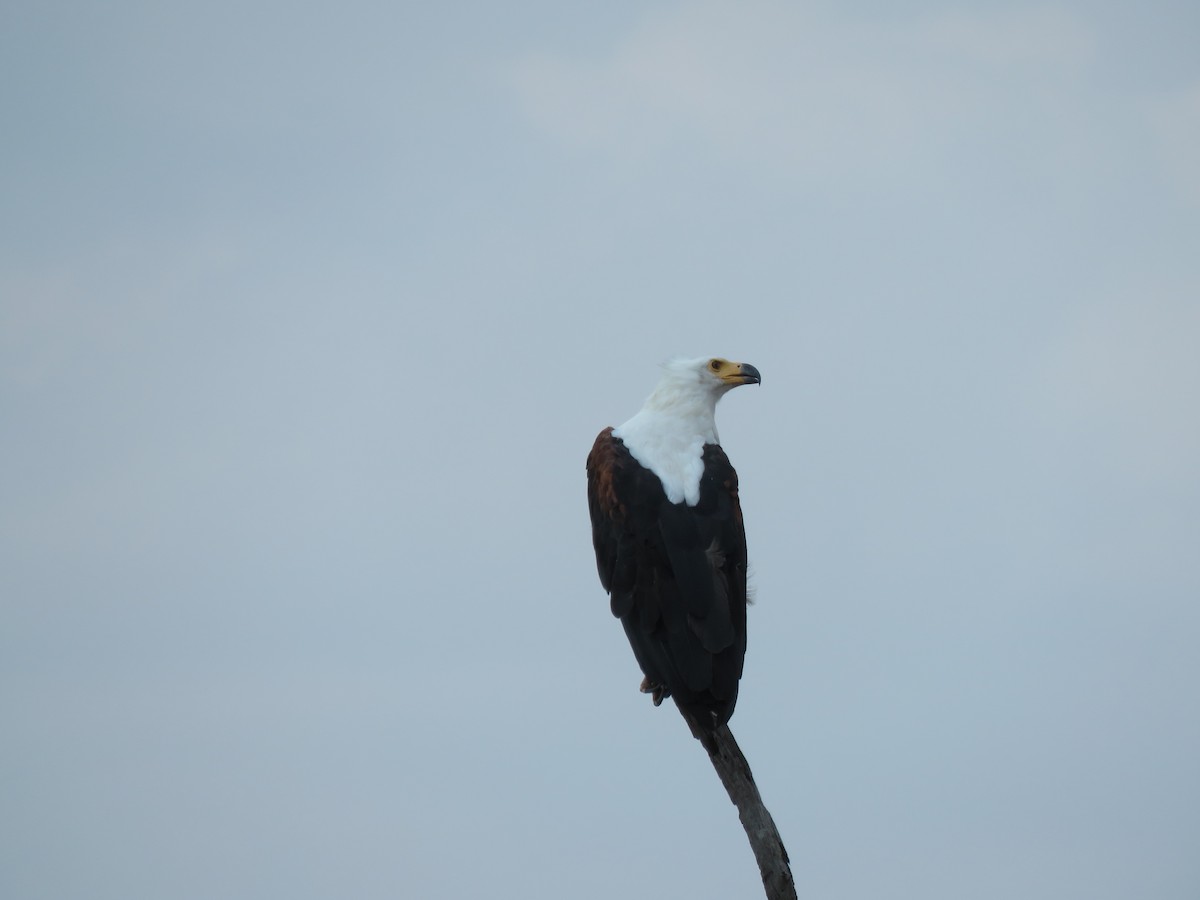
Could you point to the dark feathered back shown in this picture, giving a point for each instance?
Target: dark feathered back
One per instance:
(676, 575)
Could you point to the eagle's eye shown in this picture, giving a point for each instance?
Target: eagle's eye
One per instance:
(715, 365)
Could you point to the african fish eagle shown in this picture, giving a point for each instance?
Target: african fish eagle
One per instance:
(670, 546)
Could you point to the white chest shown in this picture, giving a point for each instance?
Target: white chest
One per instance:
(672, 449)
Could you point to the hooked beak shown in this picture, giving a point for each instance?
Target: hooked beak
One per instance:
(744, 373)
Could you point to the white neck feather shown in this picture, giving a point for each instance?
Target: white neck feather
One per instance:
(668, 434)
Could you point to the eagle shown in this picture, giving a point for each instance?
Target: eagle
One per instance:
(669, 540)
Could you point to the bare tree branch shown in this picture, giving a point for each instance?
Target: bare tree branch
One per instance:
(768, 847)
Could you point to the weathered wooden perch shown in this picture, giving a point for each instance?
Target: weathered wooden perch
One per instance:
(768, 847)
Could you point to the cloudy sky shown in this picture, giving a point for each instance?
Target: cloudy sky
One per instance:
(308, 318)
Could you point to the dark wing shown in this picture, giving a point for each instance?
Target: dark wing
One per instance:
(676, 575)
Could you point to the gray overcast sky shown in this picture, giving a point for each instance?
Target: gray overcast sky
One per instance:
(308, 318)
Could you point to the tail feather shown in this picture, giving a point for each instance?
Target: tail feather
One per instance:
(703, 722)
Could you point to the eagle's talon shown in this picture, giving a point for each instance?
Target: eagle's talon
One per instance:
(657, 691)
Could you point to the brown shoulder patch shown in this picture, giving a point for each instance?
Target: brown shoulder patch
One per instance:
(602, 465)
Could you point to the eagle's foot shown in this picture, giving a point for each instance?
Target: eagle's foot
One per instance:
(657, 691)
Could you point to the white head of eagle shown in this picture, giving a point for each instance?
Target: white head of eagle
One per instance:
(668, 434)
(669, 541)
